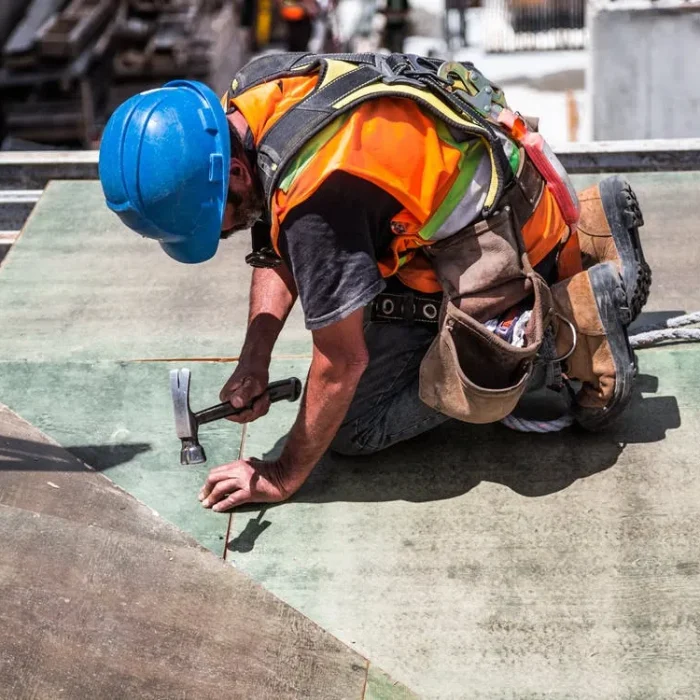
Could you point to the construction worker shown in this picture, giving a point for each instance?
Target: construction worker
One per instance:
(426, 229)
(298, 16)
(396, 23)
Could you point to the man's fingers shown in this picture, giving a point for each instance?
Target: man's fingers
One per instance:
(241, 417)
(237, 498)
(221, 490)
(260, 407)
(215, 476)
(229, 388)
(223, 469)
(245, 393)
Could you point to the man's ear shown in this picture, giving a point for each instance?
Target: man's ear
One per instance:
(238, 170)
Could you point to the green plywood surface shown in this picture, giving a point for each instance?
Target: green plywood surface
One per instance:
(381, 687)
(479, 563)
(118, 418)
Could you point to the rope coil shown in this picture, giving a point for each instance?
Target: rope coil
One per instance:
(670, 330)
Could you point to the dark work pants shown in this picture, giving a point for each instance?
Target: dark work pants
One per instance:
(386, 408)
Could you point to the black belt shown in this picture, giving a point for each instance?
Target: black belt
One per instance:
(388, 308)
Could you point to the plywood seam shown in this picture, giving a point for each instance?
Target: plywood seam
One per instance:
(241, 452)
(364, 685)
(302, 356)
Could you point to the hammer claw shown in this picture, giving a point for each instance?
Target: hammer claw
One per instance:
(180, 392)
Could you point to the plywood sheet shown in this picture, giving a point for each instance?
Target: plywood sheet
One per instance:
(93, 607)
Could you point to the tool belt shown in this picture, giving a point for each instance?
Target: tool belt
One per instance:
(404, 307)
(469, 372)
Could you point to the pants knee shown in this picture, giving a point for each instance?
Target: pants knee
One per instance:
(346, 443)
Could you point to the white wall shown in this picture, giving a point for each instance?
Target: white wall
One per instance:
(644, 76)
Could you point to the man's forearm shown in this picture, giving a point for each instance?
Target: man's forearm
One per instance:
(272, 296)
(339, 359)
(329, 391)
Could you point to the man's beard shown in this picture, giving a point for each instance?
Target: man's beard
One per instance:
(248, 211)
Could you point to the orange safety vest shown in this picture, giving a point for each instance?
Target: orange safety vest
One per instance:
(394, 144)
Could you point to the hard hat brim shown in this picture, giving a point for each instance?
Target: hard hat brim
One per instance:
(192, 251)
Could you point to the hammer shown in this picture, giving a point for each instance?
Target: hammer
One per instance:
(187, 423)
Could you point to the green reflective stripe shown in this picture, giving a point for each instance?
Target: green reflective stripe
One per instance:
(310, 149)
(513, 153)
(472, 152)
(403, 259)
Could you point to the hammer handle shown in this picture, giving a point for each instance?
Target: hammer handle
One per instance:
(289, 389)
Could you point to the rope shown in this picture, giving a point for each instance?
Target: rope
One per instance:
(537, 426)
(669, 330)
(650, 338)
(647, 336)
(674, 322)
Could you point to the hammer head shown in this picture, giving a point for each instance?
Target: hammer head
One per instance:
(185, 422)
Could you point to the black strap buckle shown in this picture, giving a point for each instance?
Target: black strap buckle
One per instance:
(407, 69)
(263, 254)
(265, 257)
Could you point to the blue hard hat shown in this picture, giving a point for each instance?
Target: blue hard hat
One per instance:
(164, 167)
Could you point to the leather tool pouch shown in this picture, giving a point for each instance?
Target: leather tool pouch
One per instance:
(470, 373)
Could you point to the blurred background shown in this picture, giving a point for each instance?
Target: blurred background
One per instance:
(605, 70)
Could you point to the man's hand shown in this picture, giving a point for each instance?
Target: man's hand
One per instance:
(244, 481)
(245, 384)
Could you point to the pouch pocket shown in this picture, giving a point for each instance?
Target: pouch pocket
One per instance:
(483, 269)
(471, 374)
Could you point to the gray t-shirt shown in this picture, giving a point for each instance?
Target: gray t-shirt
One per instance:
(331, 243)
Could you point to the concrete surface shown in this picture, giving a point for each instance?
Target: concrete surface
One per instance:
(93, 277)
(643, 72)
(100, 598)
(469, 563)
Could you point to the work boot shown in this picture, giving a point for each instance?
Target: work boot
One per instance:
(598, 354)
(608, 231)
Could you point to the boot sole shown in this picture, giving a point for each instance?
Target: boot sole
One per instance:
(609, 293)
(625, 218)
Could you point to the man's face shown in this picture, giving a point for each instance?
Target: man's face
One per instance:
(244, 204)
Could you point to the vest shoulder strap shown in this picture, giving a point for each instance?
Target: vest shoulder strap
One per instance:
(346, 81)
(284, 65)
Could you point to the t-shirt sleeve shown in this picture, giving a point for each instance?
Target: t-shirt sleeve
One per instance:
(329, 243)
